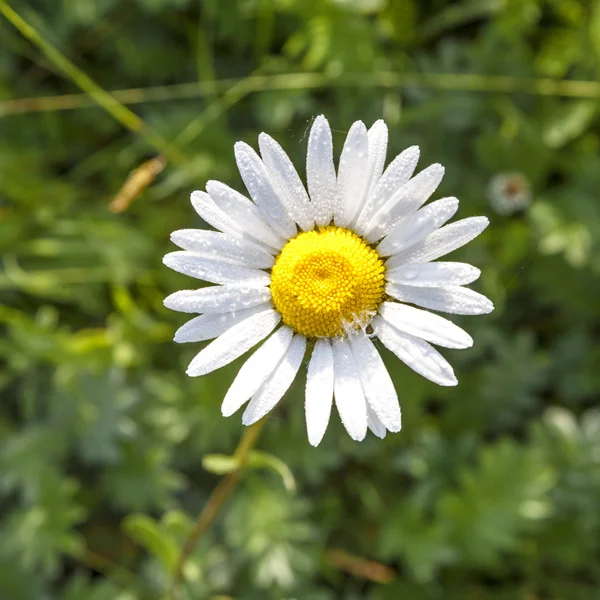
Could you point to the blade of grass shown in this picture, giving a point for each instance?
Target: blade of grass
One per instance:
(108, 102)
(456, 15)
(472, 82)
(216, 109)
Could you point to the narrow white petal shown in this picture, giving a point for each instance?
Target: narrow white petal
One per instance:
(248, 219)
(433, 274)
(376, 382)
(352, 175)
(404, 202)
(217, 299)
(212, 325)
(234, 342)
(256, 370)
(258, 183)
(206, 208)
(417, 354)
(286, 182)
(214, 270)
(320, 171)
(426, 325)
(319, 391)
(417, 226)
(347, 390)
(441, 242)
(452, 299)
(396, 175)
(378, 140)
(221, 245)
(272, 390)
(375, 425)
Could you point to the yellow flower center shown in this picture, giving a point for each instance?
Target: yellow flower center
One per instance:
(326, 282)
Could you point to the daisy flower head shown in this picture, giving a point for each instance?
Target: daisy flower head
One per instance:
(509, 193)
(334, 268)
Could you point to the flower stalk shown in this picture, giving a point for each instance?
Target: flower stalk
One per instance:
(215, 502)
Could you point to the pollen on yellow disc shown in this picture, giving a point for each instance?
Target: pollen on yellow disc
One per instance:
(326, 282)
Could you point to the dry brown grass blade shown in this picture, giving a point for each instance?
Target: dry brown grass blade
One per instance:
(139, 179)
(360, 567)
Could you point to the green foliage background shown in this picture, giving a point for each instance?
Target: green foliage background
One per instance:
(492, 489)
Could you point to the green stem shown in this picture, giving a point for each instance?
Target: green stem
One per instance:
(215, 502)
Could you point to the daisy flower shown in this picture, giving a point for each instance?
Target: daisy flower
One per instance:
(334, 269)
(509, 193)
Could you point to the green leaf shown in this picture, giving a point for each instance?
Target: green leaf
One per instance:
(219, 464)
(147, 532)
(258, 460)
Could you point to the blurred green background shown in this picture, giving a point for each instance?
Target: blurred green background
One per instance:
(492, 489)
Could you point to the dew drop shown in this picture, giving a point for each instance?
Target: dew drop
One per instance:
(410, 272)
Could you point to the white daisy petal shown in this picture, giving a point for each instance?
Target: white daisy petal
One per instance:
(256, 370)
(396, 175)
(207, 327)
(244, 213)
(417, 226)
(258, 183)
(271, 392)
(441, 242)
(451, 299)
(378, 139)
(286, 182)
(425, 325)
(217, 299)
(214, 269)
(434, 274)
(234, 342)
(404, 202)
(417, 354)
(352, 175)
(374, 424)
(376, 382)
(320, 172)
(227, 247)
(319, 391)
(347, 390)
(206, 208)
